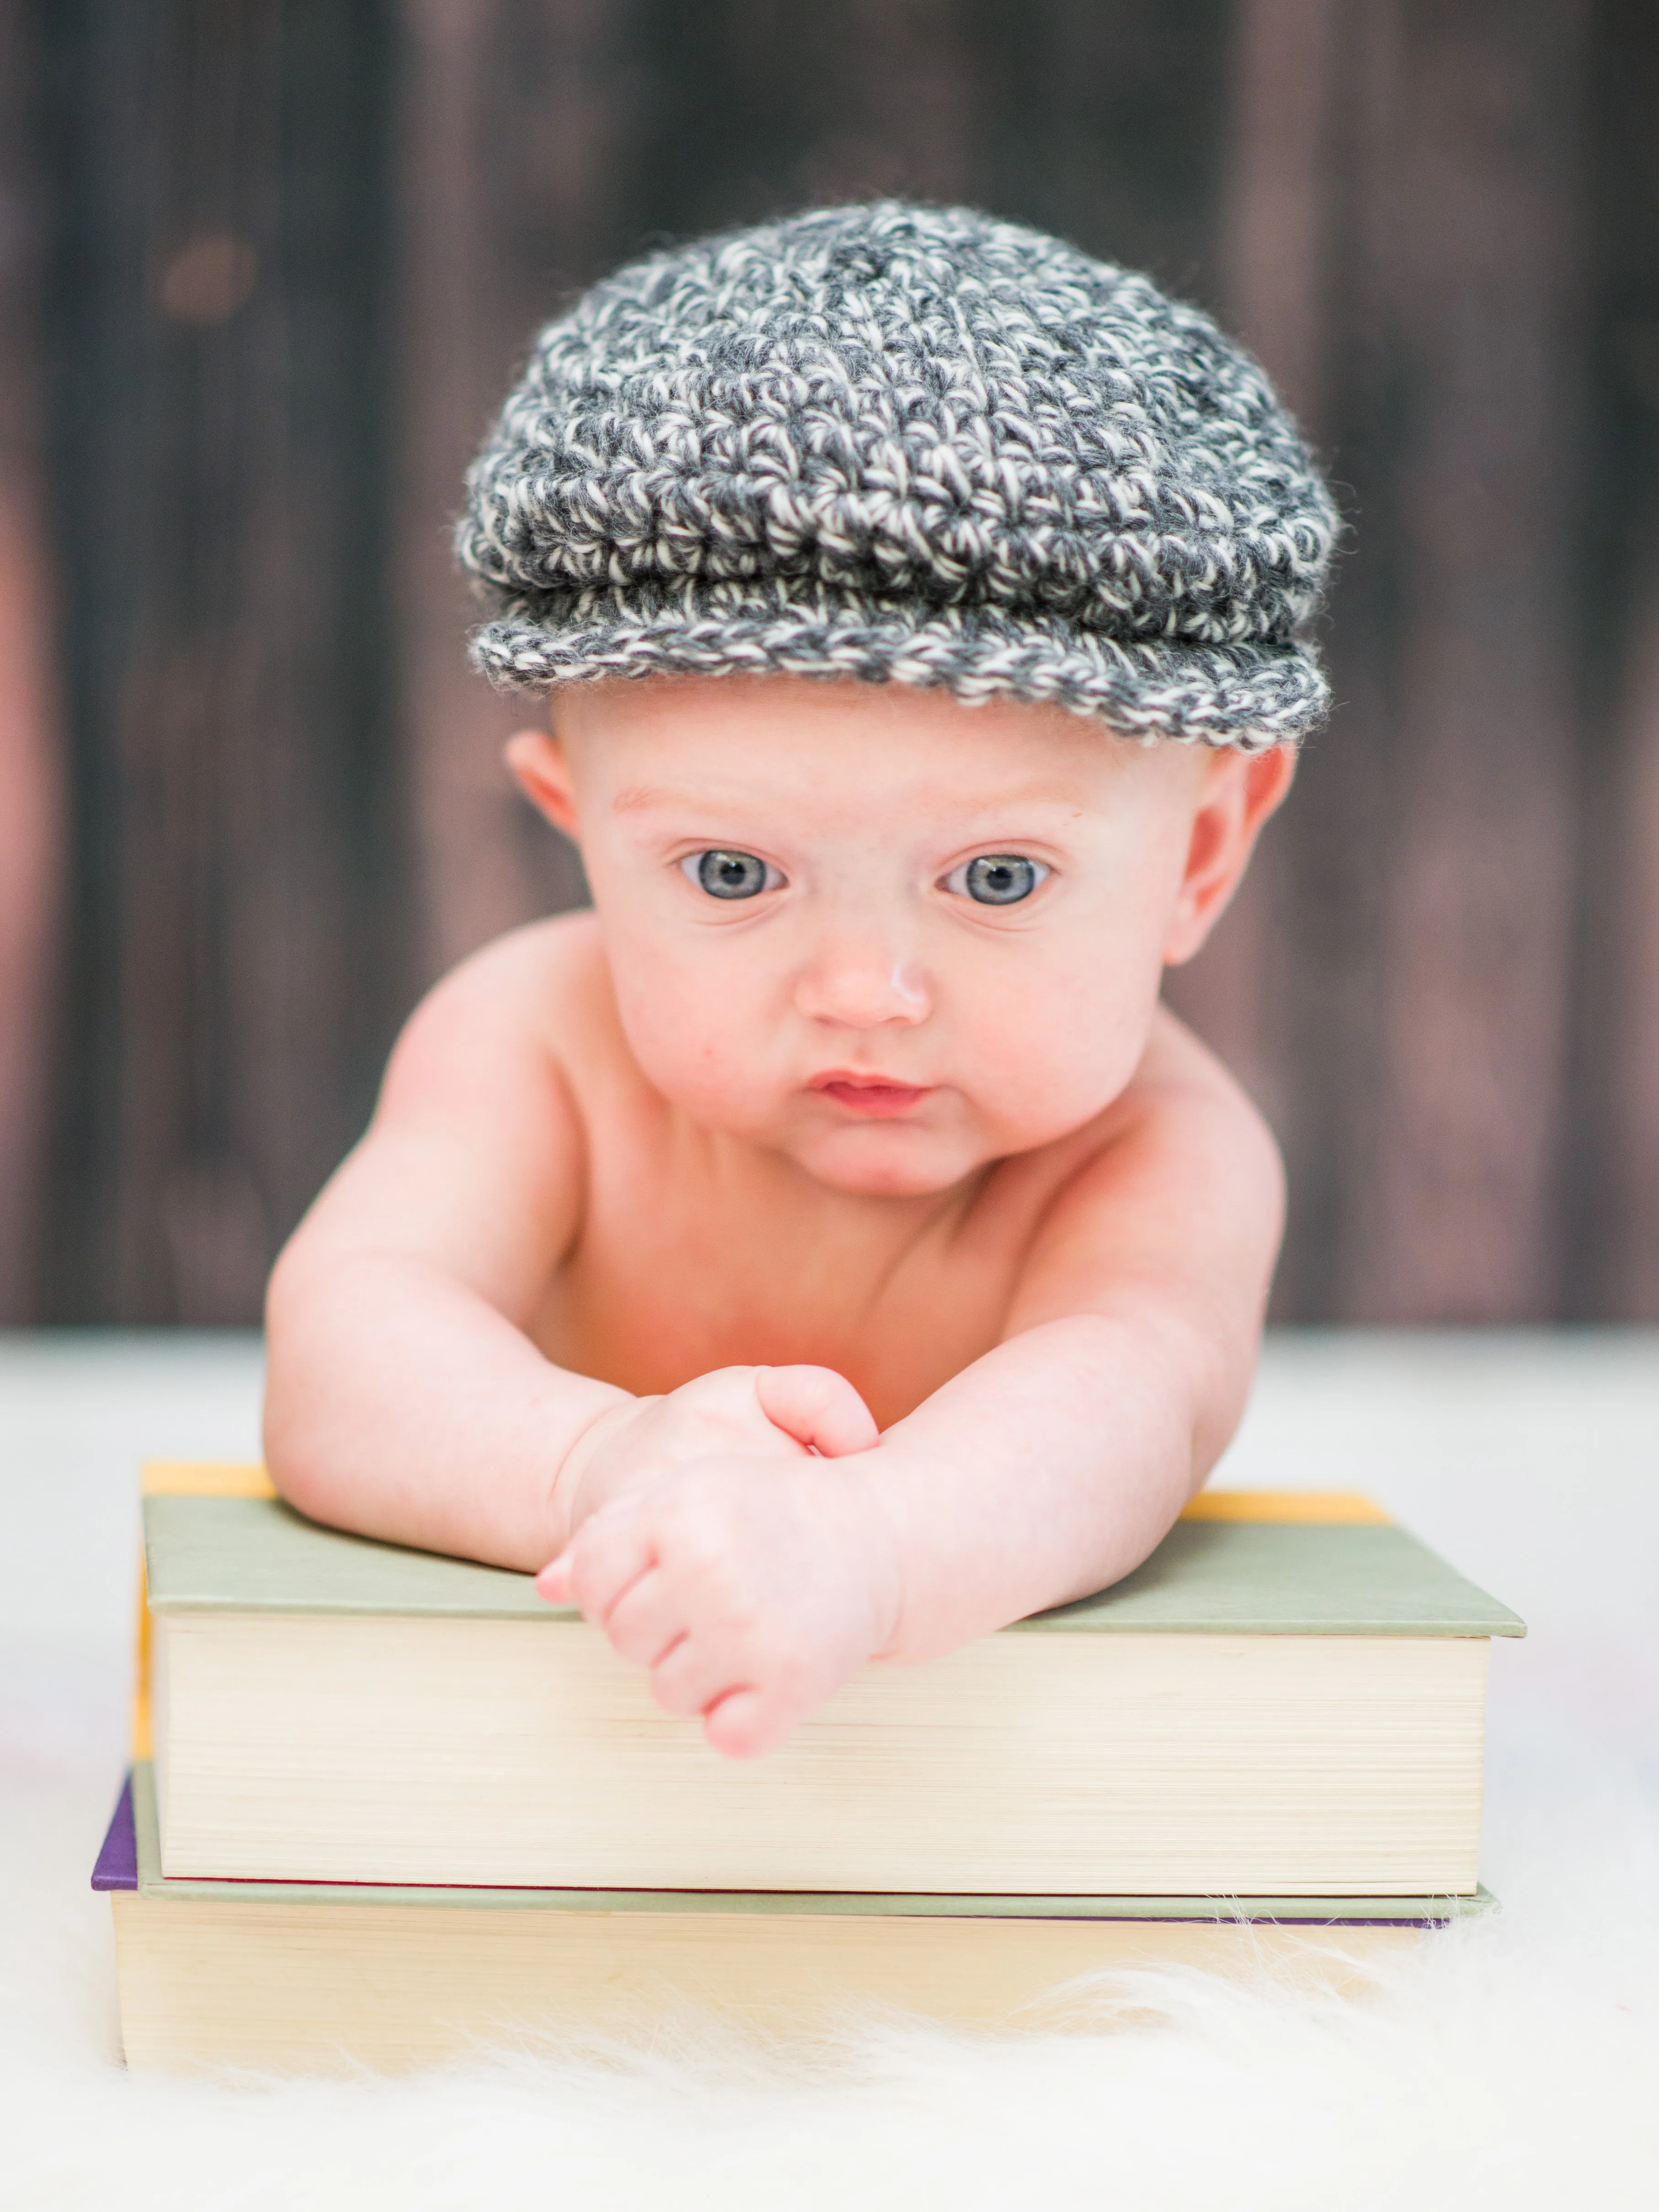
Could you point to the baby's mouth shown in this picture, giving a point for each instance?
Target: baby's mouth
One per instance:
(877, 1097)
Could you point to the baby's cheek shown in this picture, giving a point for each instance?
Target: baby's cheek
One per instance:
(689, 1032)
(1057, 1051)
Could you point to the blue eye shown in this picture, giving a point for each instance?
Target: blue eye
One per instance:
(726, 875)
(997, 879)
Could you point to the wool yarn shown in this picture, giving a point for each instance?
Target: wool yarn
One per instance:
(914, 444)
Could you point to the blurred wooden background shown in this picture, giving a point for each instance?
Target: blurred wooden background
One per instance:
(265, 271)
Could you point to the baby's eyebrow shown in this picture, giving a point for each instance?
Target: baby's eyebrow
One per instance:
(643, 798)
(731, 808)
(663, 799)
(1050, 795)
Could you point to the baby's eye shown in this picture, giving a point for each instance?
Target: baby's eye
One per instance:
(726, 875)
(997, 879)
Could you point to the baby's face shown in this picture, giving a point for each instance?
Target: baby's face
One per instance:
(886, 935)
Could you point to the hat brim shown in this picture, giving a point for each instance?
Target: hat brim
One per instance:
(1248, 696)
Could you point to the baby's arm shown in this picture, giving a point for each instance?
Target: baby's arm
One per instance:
(403, 1398)
(1045, 1470)
(1053, 1465)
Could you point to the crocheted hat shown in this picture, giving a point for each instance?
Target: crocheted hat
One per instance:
(910, 445)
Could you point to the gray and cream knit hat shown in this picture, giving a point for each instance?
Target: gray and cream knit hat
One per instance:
(911, 445)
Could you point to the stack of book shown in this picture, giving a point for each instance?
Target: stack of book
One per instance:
(384, 1804)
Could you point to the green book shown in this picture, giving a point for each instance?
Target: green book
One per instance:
(1286, 1700)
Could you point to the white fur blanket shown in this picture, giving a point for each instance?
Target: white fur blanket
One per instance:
(1513, 2064)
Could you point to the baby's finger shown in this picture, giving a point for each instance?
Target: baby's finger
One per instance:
(646, 1620)
(690, 1676)
(817, 1407)
(554, 1580)
(745, 1724)
(607, 1556)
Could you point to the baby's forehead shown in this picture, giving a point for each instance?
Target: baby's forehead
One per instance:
(880, 791)
(800, 750)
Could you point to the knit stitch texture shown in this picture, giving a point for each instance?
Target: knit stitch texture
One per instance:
(911, 445)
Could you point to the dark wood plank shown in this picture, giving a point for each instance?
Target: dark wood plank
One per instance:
(1476, 258)
(1611, 1216)
(219, 419)
(31, 798)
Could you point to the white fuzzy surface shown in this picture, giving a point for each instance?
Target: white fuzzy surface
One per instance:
(1513, 2064)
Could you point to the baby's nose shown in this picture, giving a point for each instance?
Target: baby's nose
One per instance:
(863, 986)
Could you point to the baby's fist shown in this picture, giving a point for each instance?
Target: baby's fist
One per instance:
(765, 1412)
(750, 1593)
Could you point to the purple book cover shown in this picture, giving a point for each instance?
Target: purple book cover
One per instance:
(117, 1862)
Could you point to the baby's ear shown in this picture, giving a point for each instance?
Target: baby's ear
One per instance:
(1240, 791)
(537, 761)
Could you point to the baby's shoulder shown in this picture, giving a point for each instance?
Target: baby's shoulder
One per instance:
(536, 977)
(537, 995)
(1181, 1118)
(1182, 1106)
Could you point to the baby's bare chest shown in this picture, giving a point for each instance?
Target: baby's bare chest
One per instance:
(676, 1283)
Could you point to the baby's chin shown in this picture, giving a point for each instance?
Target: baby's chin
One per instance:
(888, 1179)
(887, 1160)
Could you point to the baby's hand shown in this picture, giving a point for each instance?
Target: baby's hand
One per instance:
(776, 1413)
(751, 1590)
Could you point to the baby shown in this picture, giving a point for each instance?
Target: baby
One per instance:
(826, 1248)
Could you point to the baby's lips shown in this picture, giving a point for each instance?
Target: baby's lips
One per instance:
(854, 1078)
(878, 1096)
